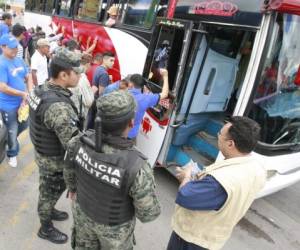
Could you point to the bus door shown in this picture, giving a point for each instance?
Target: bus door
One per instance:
(168, 49)
(212, 81)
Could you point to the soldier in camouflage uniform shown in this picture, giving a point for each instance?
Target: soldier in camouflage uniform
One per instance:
(53, 122)
(115, 185)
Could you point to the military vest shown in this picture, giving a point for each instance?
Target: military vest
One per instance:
(104, 181)
(45, 140)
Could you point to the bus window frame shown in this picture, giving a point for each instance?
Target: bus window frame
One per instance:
(262, 147)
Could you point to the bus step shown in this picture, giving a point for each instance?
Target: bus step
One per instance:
(202, 146)
(213, 127)
(212, 140)
(196, 157)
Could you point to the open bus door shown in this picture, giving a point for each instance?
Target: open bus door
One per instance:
(168, 49)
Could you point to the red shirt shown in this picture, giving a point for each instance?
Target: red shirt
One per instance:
(90, 72)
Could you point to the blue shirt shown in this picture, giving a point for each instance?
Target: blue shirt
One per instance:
(4, 29)
(101, 77)
(205, 194)
(13, 73)
(143, 101)
(111, 87)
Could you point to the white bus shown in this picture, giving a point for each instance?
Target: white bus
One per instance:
(224, 58)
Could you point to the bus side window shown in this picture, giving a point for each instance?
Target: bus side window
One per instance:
(141, 13)
(65, 8)
(34, 5)
(89, 10)
(115, 13)
(50, 7)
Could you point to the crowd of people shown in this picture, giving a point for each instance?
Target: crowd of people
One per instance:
(108, 180)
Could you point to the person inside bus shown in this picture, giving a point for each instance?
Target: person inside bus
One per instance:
(145, 100)
(211, 202)
(113, 14)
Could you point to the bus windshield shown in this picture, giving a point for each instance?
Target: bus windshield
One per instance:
(276, 104)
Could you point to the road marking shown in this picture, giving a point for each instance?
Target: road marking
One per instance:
(16, 217)
(24, 174)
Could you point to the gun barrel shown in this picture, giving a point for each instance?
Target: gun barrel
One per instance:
(98, 132)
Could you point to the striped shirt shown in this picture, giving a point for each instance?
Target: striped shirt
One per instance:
(20, 51)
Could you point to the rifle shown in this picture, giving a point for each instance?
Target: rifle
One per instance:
(98, 134)
(94, 144)
(80, 116)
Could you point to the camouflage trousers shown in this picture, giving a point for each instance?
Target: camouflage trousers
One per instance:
(51, 187)
(89, 235)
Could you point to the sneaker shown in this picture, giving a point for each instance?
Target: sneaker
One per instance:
(59, 215)
(52, 234)
(12, 161)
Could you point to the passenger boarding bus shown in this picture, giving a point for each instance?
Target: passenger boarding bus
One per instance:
(224, 58)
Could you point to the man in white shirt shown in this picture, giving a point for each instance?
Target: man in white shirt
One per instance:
(39, 64)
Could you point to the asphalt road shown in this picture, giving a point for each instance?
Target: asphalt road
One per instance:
(272, 223)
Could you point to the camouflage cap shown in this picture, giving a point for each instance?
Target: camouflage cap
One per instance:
(68, 58)
(116, 106)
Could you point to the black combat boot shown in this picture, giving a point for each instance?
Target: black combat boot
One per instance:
(59, 215)
(49, 232)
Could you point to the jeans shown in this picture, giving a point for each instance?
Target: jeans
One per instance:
(14, 128)
(177, 243)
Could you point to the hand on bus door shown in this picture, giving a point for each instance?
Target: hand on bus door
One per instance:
(163, 72)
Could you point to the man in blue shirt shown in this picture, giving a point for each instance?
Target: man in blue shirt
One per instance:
(5, 26)
(101, 77)
(100, 81)
(13, 93)
(145, 100)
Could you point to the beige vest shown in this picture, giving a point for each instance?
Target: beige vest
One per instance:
(242, 178)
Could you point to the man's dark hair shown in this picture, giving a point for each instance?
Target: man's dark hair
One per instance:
(137, 80)
(244, 132)
(56, 66)
(116, 128)
(72, 45)
(17, 30)
(6, 16)
(38, 29)
(98, 57)
(108, 54)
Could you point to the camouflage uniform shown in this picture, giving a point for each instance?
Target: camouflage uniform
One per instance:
(51, 182)
(61, 118)
(90, 235)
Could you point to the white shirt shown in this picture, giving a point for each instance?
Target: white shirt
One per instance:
(39, 63)
(20, 51)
